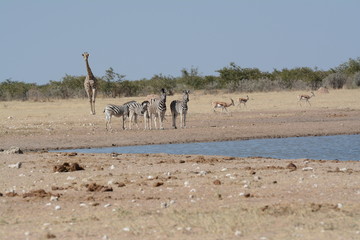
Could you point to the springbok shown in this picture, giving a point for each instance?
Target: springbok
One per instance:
(305, 97)
(243, 101)
(222, 105)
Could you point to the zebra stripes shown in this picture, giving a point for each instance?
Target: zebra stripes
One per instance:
(136, 109)
(117, 111)
(157, 108)
(180, 107)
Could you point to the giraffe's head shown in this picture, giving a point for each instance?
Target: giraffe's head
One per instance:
(85, 55)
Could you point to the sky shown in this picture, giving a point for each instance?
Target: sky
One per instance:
(42, 40)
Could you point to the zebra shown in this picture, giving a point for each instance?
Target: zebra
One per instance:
(180, 107)
(117, 111)
(136, 109)
(157, 108)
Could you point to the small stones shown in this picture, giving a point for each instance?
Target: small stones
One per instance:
(54, 198)
(167, 204)
(13, 150)
(41, 193)
(71, 154)
(93, 187)
(257, 178)
(202, 173)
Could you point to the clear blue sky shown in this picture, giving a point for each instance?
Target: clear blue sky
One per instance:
(43, 40)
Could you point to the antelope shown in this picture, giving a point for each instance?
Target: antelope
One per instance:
(243, 101)
(305, 97)
(222, 105)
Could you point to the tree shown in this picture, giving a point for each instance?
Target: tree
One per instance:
(112, 80)
(351, 67)
(191, 78)
(232, 76)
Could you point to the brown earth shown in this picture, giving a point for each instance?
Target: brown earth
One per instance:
(47, 195)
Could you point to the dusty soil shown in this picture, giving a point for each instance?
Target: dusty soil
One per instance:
(46, 195)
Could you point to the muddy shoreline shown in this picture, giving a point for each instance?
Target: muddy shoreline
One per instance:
(216, 127)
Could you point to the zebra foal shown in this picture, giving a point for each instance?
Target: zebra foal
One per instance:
(180, 107)
(157, 108)
(117, 111)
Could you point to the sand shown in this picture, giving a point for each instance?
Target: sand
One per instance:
(160, 196)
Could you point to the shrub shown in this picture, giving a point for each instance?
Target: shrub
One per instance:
(356, 79)
(335, 80)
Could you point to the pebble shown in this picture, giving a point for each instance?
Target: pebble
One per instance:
(238, 233)
(54, 198)
(202, 173)
(16, 165)
(307, 169)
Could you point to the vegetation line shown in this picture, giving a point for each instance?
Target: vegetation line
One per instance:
(232, 78)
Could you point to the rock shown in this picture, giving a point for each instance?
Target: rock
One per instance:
(50, 235)
(66, 167)
(121, 184)
(307, 169)
(291, 166)
(13, 150)
(217, 182)
(16, 165)
(158, 184)
(93, 187)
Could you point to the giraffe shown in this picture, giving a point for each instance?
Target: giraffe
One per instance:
(90, 84)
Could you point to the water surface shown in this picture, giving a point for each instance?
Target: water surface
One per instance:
(339, 147)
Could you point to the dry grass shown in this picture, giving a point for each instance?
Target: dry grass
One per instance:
(199, 103)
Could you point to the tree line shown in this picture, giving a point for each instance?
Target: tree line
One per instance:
(232, 78)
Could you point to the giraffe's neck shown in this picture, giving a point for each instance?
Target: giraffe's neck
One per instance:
(90, 74)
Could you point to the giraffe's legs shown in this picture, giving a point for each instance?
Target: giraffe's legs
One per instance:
(92, 101)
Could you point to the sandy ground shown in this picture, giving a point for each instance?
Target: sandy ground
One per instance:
(48, 195)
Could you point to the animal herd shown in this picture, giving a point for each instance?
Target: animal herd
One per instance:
(154, 107)
(153, 110)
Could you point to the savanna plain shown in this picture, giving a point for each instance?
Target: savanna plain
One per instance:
(68, 195)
